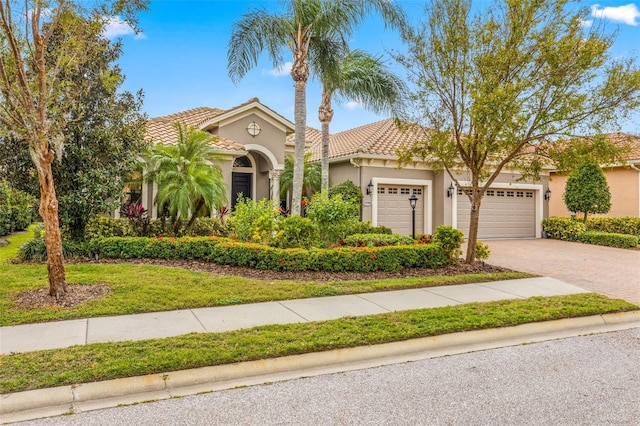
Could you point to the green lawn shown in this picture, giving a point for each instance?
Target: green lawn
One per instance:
(147, 288)
(103, 361)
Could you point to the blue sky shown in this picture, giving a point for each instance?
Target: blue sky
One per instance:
(179, 60)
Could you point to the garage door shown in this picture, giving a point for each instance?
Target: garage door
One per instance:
(504, 213)
(394, 210)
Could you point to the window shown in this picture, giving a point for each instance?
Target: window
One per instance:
(460, 192)
(520, 194)
(509, 193)
(417, 191)
(133, 188)
(381, 190)
(242, 162)
(491, 193)
(392, 191)
(529, 194)
(405, 191)
(500, 193)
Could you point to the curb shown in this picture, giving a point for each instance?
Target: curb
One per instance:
(40, 403)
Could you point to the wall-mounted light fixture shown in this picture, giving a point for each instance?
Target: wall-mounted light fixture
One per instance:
(450, 190)
(547, 194)
(370, 188)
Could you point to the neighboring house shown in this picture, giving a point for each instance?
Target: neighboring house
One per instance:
(254, 141)
(623, 179)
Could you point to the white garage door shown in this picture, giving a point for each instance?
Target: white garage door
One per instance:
(504, 213)
(394, 210)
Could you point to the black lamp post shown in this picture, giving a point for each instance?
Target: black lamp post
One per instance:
(412, 202)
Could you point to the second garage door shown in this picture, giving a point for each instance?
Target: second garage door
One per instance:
(504, 213)
(394, 210)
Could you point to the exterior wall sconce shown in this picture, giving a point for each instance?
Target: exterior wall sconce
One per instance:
(547, 194)
(450, 190)
(253, 129)
(413, 200)
(370, 188)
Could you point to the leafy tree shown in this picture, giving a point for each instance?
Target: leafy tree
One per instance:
(309, 29)
(350, 193)
(587, 190)
(493, 86)
(359, 77)
(310, 181)
(41, 44)
(102, 143)
(188, 178)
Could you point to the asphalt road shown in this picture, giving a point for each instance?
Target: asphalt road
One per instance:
(590, 380)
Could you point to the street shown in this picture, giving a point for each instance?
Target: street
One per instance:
(590, 380)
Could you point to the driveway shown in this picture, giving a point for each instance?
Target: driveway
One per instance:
(611, 271)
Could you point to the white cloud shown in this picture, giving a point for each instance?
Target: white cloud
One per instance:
(587, 23)
(280, 71)
(627, 14)
(116, 27)
(353, 105)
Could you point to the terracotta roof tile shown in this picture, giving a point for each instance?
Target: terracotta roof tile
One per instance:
(162, 129)
(312, 136)
(379, 138)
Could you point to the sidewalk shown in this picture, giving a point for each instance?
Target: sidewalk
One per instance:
(60, 334)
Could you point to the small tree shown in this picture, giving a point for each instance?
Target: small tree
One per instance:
(310, 180)
(587, 190)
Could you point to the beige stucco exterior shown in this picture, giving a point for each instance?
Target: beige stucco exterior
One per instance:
(624, 186)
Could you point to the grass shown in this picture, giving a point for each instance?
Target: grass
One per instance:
(104, 361)
(149, 288)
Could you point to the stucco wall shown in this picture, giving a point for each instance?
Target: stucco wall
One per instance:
(624, 185)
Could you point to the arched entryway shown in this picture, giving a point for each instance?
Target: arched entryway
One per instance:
(242, 178)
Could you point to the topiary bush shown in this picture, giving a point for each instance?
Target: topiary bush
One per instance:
(296, 231)
(450, 240)
(609, 239)
(563, 228)
(377, 240)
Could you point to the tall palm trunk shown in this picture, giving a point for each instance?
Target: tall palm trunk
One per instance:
(300, 74)
(325, 115)
(49, 213)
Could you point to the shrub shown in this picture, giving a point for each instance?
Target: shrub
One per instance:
(254, 221)
(616, 225)
(482, 251)
(563, 228)
(229, 252)
(101, 226)
(16, 209)
(325, 210)
(609, 239)
(296, 231)
(450, 240)
(34, 249)
(377, 240)
(350, 193)
(208, 226)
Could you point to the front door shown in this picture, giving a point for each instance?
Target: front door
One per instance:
(241, 183)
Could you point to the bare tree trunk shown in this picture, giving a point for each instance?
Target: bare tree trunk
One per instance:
(53, 238)
(325, 115)
(300, 114)
(476, 199)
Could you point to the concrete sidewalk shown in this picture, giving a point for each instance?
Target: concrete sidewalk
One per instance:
(60, 334)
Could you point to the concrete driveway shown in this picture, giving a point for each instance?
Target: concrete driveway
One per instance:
(611, 271)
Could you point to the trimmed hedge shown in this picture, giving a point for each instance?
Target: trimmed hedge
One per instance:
(563, 228)
(609, 239)
(377, 240)
(615, 225)
(229, 252)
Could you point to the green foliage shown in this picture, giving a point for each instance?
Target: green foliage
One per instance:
(34, 249)
(296, 231)
(187, 176)
(450, 240)
(616, 225)
(563, 228)
(349, 192)
(587, 191)
(482, 251)
(101, 226)
(568, 155)
(377, 240)
(253, 221)
(325, 210)
(208, 226)
(310, 181)
(16, 209)
(611, 240)
(230, 252)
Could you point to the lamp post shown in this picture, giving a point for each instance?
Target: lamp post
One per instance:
(412, 202)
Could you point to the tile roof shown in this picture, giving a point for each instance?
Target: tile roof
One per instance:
(312, 136)
(379, 138)
(622, 139)
(162, 129)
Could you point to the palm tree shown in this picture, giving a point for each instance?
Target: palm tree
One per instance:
(362, 78)
(308, 28)
(310, 182)
(188, 178)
